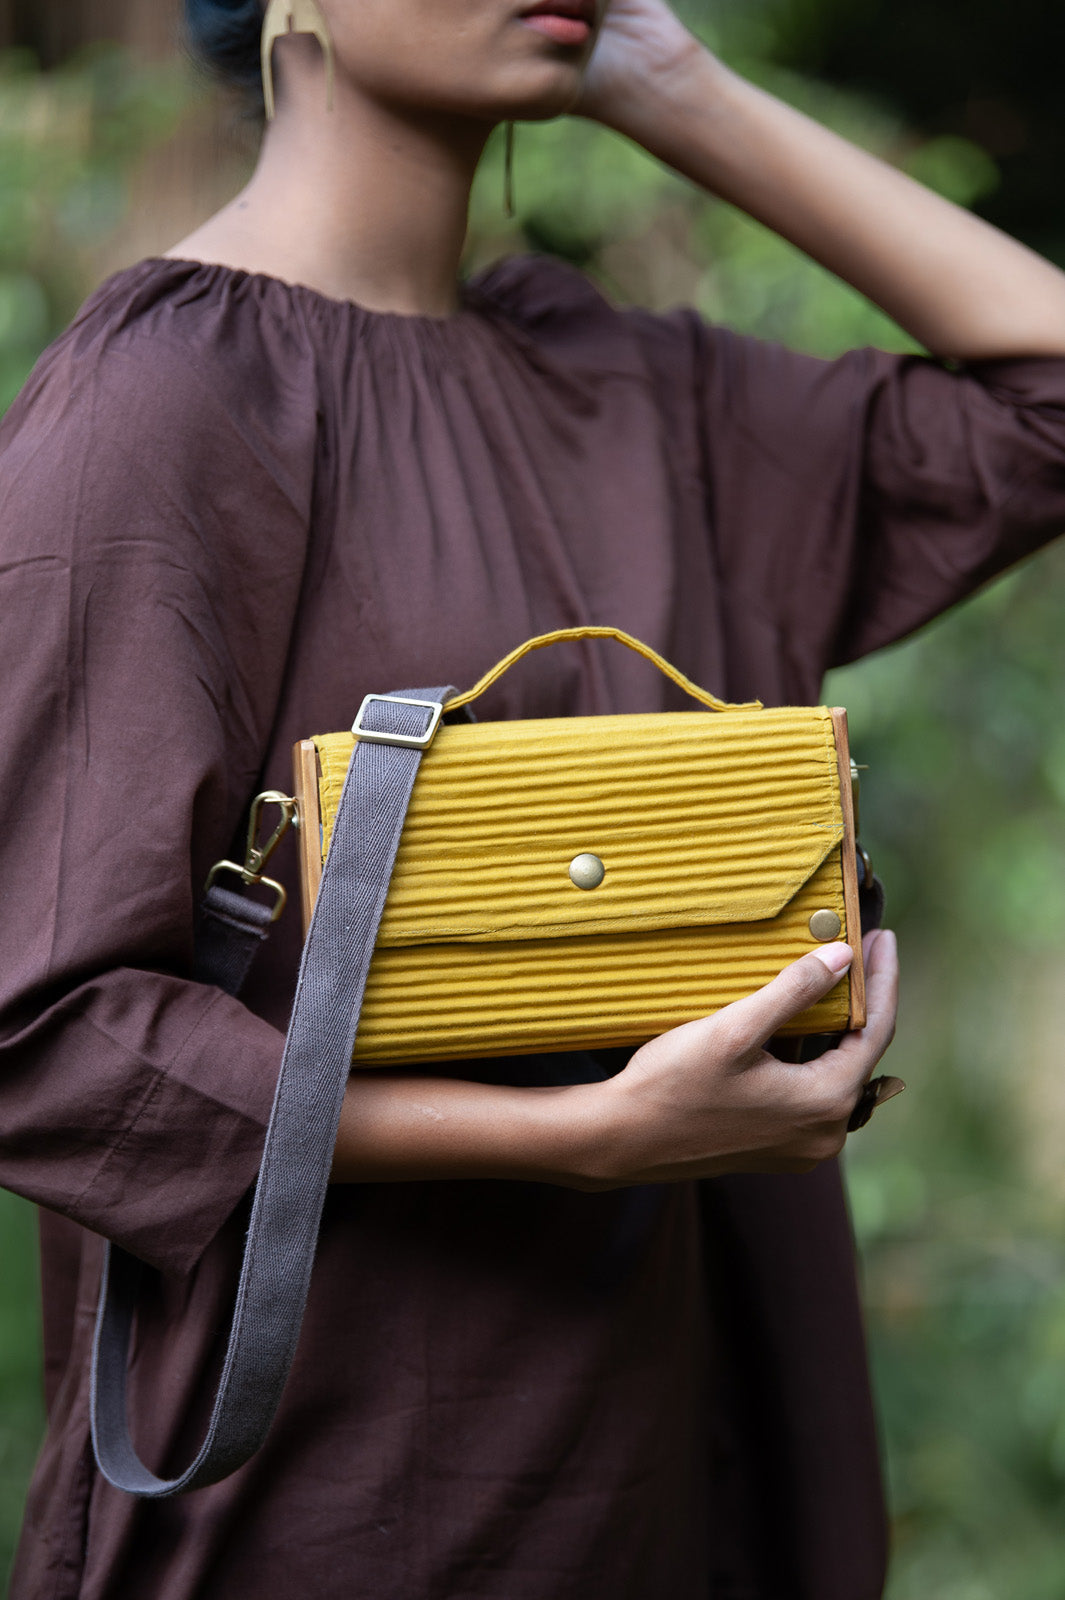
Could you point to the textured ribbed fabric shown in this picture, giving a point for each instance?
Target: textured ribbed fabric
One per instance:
(720, 835)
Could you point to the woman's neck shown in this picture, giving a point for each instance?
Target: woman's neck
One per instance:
(360, 203)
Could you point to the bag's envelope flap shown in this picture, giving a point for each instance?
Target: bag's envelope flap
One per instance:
(699, 818)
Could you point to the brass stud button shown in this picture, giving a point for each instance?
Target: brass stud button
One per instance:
(825, 926)
(587, 871)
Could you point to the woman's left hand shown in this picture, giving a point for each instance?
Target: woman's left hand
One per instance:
(639, 41)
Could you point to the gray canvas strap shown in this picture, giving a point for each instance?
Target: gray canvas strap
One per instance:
(300, 1138)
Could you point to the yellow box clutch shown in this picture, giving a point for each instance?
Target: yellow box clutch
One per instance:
(585, 882)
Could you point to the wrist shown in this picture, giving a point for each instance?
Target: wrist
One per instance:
(563, 1136)
(596, 1138)
(700, 123)
(654, 107)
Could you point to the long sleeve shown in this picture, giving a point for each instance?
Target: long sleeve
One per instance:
(851, 501)
(151, 551)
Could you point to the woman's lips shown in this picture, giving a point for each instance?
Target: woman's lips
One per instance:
(559, 29)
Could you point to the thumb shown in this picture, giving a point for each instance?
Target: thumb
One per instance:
(759, 1016)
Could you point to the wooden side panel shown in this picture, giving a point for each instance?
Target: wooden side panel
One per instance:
(850, 868)
(305, 779)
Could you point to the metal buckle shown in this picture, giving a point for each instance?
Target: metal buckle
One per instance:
(404, 741)
(257, 855)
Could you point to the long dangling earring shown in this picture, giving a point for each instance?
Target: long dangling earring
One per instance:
(295, 16)
(508, 173)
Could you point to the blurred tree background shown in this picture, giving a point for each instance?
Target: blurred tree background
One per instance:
(111, 148)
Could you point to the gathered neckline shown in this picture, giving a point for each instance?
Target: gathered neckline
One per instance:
(470, 296)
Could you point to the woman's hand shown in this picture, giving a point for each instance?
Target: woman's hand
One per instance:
(700, 1101)
(707, 1098)
(640, 42)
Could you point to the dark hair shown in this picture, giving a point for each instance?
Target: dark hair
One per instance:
(225, 36)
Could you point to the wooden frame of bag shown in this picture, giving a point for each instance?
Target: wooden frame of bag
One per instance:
(307, 773)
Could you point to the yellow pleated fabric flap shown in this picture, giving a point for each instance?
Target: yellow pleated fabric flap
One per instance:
(699, 820)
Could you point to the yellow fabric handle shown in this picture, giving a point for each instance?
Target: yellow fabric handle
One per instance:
(562, 635)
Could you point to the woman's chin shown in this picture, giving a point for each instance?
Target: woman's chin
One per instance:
(550, 92)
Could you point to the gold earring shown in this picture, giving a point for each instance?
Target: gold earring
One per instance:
(508, 173)
(295, 16)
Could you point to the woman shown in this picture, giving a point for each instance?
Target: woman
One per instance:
(295, 461)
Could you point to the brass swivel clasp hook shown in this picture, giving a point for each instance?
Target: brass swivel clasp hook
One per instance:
(257, 854)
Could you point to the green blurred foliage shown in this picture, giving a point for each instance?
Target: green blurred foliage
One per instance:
(958, 1194)
(21, 1404)
(978, 69)
(957, 1189)
(68, 140)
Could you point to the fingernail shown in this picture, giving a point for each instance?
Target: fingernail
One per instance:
(887, 1089)
(836, 957)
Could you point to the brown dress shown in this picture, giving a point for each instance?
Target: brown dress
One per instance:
(229, 508)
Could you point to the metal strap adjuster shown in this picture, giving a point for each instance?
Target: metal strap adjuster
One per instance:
(405, 741)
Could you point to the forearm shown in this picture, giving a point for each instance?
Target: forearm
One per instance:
(958, 285)
(697, 1102)
(396, 1128)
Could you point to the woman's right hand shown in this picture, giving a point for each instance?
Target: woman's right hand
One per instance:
(707, 1098)
(700, 1101)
